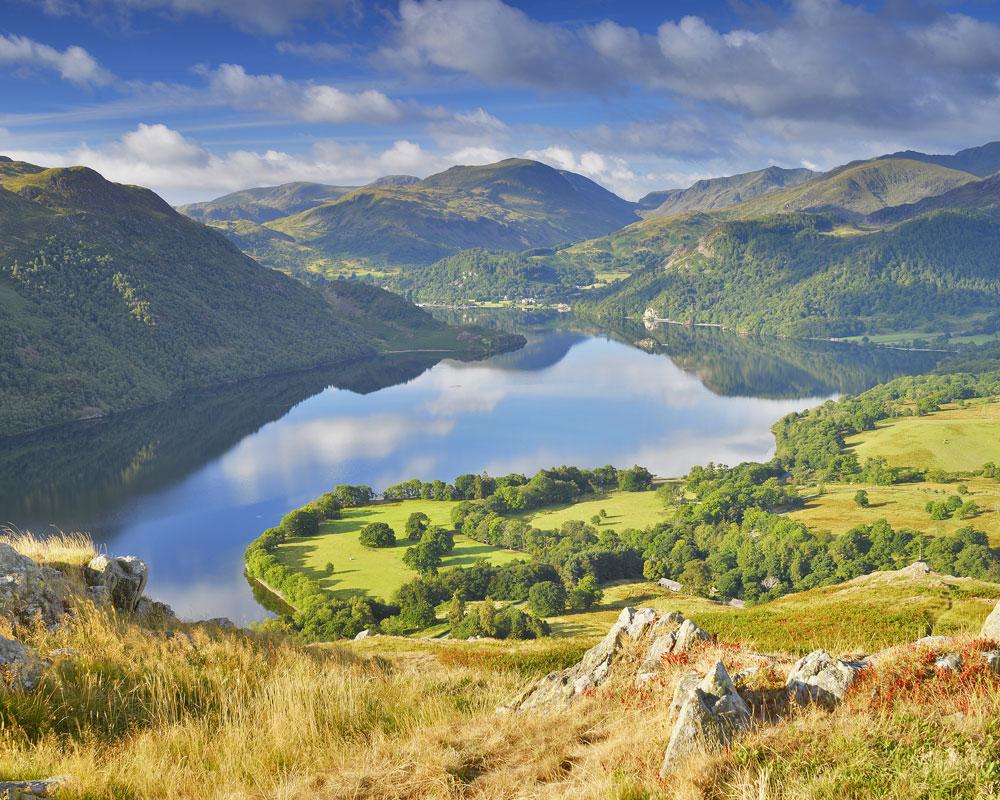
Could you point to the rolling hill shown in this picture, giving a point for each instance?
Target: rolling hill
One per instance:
(110, 299)
(982, 196)
(265, 203)
(511, 205)
(714, 193)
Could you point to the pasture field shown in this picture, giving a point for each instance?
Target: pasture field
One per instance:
(902, 505)
(625, 510)
(953, 439)
(378, 572)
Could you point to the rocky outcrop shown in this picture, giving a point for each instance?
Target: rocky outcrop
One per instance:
(991, 627)
(119, 580)
(559, 689)
(711, 715)
(820, 678)
(28, 591)
(671, 635)
(20, 665)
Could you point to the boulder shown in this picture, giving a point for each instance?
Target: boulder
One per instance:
(689, 635)
(992, 659)
(950, 662)
(122, 577)
(152, 613)
(991, 627)
(30, 790)
(20, 665)
(362, 635)
(672, 634)
(820, 678)
(710, 717)
(29, 591)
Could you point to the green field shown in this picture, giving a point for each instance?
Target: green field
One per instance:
(360, 570)
(625, 510)
(902, 505)
(953, 439)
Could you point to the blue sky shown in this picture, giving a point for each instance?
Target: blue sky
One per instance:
(196, 98)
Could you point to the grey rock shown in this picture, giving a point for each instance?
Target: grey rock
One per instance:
(362, 635)
(124, 577)
(688, 635)
(20, 665)
(952, 662)
(225, 623)
(711, 716)
(820, 678)
(28, 591)
(991, 627)
(30, 790)
(153, 613)
(664, 634)
(992, 659)
(932, 641)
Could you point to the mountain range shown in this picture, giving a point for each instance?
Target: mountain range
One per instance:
(110, 299)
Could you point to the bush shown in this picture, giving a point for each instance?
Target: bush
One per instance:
(861, 499)
(585, 595)
(547, 598)
(301, 522)
(377, 534)
(636, 479)
(416, 525)
(327, 506)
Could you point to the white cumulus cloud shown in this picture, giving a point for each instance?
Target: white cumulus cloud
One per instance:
(73, 64)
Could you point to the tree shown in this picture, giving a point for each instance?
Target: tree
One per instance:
(301, 522)
(424, 557)
(967, 510)
(329, 568)
(416, 524)
(352, 496)
(377, 534)
(697, 577)
(636, 479)
(585, 595)
(596, 519)
(861, 499)
(456, 611)
(547, 598)
(487, 618)
(327, 506)
(443, 539)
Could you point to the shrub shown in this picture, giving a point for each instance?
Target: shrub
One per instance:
(377, 534)
(547, 598)
(861, 499)
(301, 522)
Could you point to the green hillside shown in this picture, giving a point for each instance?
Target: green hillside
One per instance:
(790, 274)
(511, 205)
(713, 193)
(981, 196)
(265, 203)
(110, 299)
(859, 188)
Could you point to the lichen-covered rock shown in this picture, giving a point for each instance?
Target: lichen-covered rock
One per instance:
(822, 679)
(672, 634)
(154, 614)
(711, 715)
(123, 577)
(991, 627)
(28, 591)
(992, 659)
(20, 665)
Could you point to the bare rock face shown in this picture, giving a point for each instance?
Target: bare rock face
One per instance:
(29, 591)
(822, 679)
(711, 715)
(558, 689)
(20, 665)
(672, 634)
(120, 579)
(991, 627)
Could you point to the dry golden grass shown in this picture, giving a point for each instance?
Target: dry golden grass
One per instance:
(73, 549)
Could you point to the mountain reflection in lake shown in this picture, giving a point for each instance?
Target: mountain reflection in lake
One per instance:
(188, 484)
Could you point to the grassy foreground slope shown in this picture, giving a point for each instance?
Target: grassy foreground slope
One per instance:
(131, 710)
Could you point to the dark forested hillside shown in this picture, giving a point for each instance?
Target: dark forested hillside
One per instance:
(791, 274)
(109, 299)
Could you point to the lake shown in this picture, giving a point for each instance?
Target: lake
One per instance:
(187, 484)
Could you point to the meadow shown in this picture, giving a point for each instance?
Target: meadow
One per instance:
(377, 572)
(953, 439)
(902, 505)
(624, 510)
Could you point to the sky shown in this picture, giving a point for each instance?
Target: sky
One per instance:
(197, 98)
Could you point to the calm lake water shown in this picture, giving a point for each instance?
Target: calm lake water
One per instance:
(188, 484)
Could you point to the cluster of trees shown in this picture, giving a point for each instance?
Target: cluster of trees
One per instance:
(723, 494)
(517, 492)
(954, 506)
(432, 544)
(484, 619)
